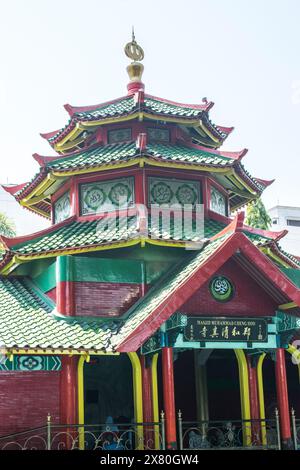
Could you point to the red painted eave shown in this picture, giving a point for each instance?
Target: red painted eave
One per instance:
(276, 236)
(237, 225)
(237, 242)
(226, 130)
(206, 106)
(42, 161)
(265, 183)
(49, 135)
(13, 189)
(11, 242)
(238, 155)
(83, 109)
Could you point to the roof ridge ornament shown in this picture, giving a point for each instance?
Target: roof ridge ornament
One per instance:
(133, 50)
(135, 70)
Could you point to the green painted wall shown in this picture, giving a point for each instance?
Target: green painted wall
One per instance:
(114, 270)
(47, 279)
(292, 274)
(128, 265)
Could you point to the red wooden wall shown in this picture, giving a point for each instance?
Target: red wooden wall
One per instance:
(26, 398)
(52, 294)
(249, 299)
(104, 298)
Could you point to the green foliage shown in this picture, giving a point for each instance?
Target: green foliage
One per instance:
(7, 228)
(257, 215)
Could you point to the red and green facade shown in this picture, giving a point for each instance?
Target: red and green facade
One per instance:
(109, 282)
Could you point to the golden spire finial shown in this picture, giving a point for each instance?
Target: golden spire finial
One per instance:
(135, 70)
(133, 50)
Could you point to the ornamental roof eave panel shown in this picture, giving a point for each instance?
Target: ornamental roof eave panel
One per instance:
(27, 321)
(114, 153)
(131, 104)
(75, 235)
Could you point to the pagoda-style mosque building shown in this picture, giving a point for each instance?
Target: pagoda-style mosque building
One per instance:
(148, 308)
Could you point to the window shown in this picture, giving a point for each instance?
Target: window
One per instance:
(106, 196)
(274, 221)
(173, 191)
(293, 222)
(62, 208)
(217, 201)
(155, 134)
(119, 135)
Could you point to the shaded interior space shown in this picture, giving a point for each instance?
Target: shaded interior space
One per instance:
(269, 378)
(269, 381)
(292, 374)
(220, 400)
(185, 386)
(108, 390)
(223, 386)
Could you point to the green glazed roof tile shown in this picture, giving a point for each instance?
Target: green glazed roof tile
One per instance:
(184, 154)
(127, 106)
(164, 288)
(87, 234)
(163, 107)
(26, 321)
(122, 152)
(95, 157)
(77, 234)
(291, 257)
(117, 108)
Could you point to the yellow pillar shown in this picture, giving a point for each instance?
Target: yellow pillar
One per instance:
(296, 355)
(261, 398)
(244, 394)
(137, 396)
(155, 399)
(80, 395)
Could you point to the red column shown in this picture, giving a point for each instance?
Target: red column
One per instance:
(65, 298)
(283, 399)
(147, 391)
(147, 403)
(68, 395)
(64, 286)
(254, 400)
(169, 397)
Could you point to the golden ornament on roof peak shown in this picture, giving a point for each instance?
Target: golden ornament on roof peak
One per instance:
(133, 50)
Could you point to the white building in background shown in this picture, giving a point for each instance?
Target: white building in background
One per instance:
(287, 218)
(26, 222)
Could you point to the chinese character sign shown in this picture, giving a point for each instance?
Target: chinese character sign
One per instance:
(226, 329)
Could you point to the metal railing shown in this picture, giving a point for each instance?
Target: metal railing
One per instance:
(295, 430)
(234, 434)
(116, 436)
(197, 435)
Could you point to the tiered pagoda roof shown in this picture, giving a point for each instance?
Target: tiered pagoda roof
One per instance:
(226, 166)
(76, 236)
(142, 106)
(28, 318)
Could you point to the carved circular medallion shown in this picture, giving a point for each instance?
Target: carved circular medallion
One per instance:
(186, 194)
(221, 289)
(94, 197)
(161, 193)
(119, 194)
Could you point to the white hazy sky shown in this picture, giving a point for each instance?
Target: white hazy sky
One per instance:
(243, 55)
